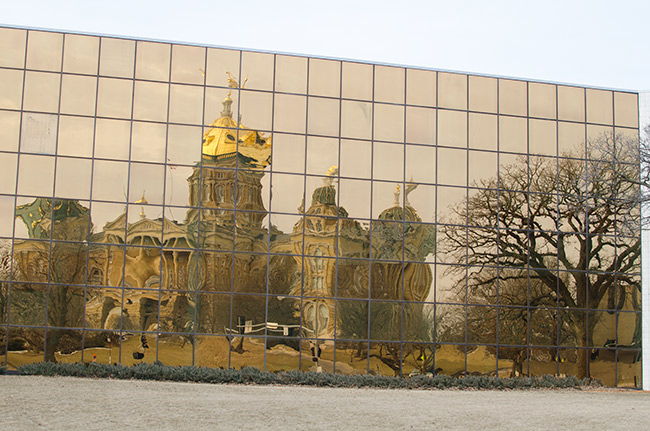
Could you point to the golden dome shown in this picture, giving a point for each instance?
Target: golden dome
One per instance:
(226, 138)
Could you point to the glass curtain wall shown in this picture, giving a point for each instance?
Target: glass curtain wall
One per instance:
(203, 206)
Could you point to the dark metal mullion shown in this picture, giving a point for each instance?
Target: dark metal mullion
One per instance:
(498, 230)
(234, 207)
(55, 157)
(435, 211)
(13, 222)
(268, 236)
(372, 182)
(403, 257)
(557, 225)
(162, 266)
(126, 204)
(198, 224)
(528, 232)
(90, 205)
(466, 190)
(587, 235)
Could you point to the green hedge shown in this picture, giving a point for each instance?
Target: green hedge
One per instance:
(3, 370)
(250, 375)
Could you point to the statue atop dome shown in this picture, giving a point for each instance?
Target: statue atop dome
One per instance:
(228, 138)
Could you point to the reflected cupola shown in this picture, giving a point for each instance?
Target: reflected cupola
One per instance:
(227, 138)
(398, 212)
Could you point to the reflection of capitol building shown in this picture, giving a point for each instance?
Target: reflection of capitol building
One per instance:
(224, 247)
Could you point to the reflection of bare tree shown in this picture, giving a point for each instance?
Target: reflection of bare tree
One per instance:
(527, 314)
(547, 215)
(388, 321)
(62, 264)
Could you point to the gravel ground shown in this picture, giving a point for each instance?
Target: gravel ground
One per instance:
(31, 402)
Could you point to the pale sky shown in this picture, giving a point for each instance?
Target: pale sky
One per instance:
(594, 43)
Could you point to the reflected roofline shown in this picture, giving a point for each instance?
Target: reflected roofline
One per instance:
(320, 57)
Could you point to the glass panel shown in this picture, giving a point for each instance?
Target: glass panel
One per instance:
(221, 61)
(148, 142)
(322, 154)
(324, 77)
(388, 162)
(452, 166)
(356, 119)
(323, 116)
(357, 81)
(150, 101)
(7, 206)
(78, 94)
(188, 64)
(288, 200)
(117, 57)
(112, 139)
(599, 106)
(214, 103)
(452, 128)
(44, 51)
(176, 187)
(110, 181)
(513, 134)
(290, 113)
(152, 61)
(626, 111)
(452, 90)
(11, 88)
(256, 71)
(571, 137)
(420, 125)
(356, 159)
(542, 101)
(420, 87)
(389, 84)
(211, 351)
(186, 104)
(12, 46)
(41, 92)
(38, 133)
(288, 153)
(512, 97)
(482, 132)
(256, 110)
(115, 98)
(384, 195)
(72, 178)
(422, 198)
(146, 181)
(9, 163)
(75, 136)
(175, 350)
(9, 130)
(291, 74)
(184, 144)
(81, 54)
(571, 103)
(420, 164)
(483, 94)
(482, 167)
(595, 136)
(30, 183)
(354, 196)
(389, 123)
(543, 139)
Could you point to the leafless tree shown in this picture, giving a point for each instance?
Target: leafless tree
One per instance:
(570, 224)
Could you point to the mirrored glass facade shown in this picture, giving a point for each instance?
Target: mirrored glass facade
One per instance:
(214, 207)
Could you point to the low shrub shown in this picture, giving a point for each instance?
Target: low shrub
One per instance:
(251, 375)
(3, 370)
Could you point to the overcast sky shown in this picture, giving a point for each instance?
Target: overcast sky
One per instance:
(596, 42)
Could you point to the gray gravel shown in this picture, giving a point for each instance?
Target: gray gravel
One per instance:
(30, 402)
